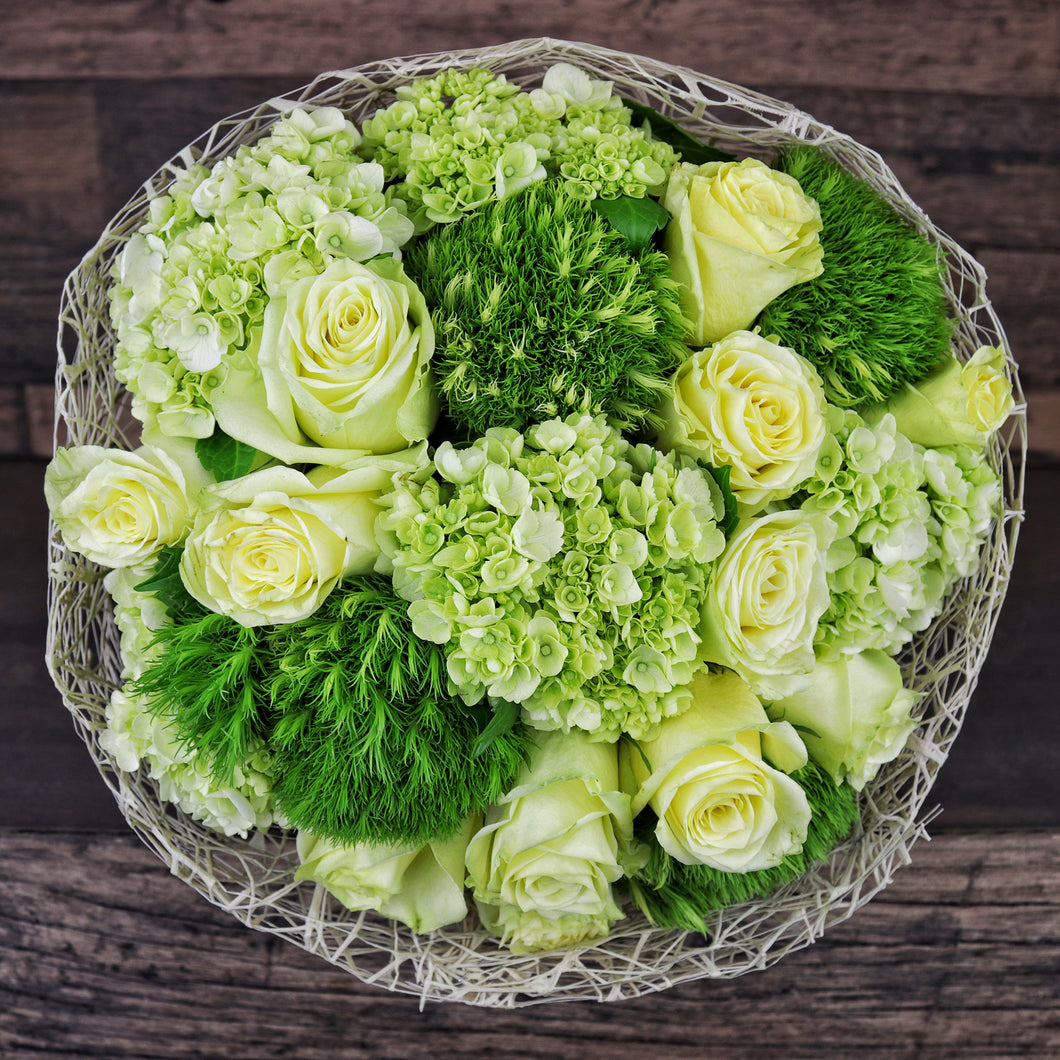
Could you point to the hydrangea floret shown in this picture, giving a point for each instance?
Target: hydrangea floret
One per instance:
(463, 138)
(562, 569)
(911, 523)
(190, 284)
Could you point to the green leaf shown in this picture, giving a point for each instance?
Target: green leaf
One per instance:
(640, 750)
(721, 477)
(224, 456)
(669, 132)
(167, 585)
(505, 715)
(637, 219)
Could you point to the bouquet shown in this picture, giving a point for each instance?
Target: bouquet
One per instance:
(522, 511)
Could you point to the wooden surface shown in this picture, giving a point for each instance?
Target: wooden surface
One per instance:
(103, 954)
(134, 959)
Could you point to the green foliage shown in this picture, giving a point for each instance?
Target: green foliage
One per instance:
(877, 317)
(540, 311)
(673, 895)
(225, 457)
(370, 746)
(165, 582)
(206, 680)
(637, 219)
(721, 476)
(505, 718)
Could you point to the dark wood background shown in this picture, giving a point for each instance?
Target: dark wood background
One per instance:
(103, 954)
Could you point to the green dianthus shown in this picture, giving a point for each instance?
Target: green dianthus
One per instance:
(877, 317)
(370, 746)
(541, 311)
(205, 680)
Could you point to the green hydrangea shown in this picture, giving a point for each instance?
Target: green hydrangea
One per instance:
(561, 569)
(466, 137)
(192, 282)
(911, 523)
(138, 616)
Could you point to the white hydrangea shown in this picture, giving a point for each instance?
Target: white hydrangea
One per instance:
(139, 740)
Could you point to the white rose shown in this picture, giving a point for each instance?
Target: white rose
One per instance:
(960, 403)
(855, 715)
(543, 864)
(119, 508)
(741, 234)
(753, 405)
(269, 547)
(767, 593)
(342, 368)
(422, 886)
(718, 801)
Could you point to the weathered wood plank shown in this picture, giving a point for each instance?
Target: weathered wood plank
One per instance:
(951, 130)
(46, 775)
(51, 212)
(1023, 285)
(1043, 418)
(987, 45)
(1006, 742)
(106, 954)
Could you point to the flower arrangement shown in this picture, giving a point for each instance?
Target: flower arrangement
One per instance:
(538, 518)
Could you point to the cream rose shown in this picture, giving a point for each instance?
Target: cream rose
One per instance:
(741, 234)
(342, 368)
(717, 799)
(960, 403)
(269, 547)
(753, 405)
(422, 886)
(767, 593)
(119, 508)
(855, 714)
(543, 864)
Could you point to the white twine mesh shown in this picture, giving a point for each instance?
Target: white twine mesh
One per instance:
(253, 879)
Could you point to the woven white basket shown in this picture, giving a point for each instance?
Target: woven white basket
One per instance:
(253, 879)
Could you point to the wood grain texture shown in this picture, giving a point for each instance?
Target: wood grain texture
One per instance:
(989, 45)
(957, 958)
